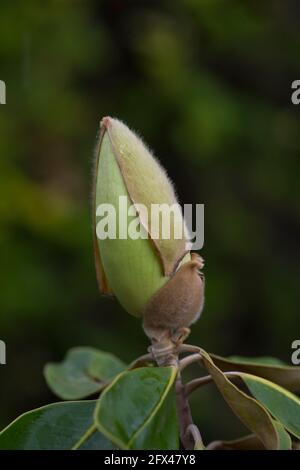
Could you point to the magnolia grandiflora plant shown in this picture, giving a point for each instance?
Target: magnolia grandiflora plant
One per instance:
(142, 405)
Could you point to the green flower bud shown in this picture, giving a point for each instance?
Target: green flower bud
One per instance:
(135, 268)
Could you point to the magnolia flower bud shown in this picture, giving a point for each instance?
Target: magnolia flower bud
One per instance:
(150, 274)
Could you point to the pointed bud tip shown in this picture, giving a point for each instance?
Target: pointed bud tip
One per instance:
(105, 122)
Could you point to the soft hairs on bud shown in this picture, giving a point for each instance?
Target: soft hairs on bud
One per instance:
(147, 183)
(152, 276)
(133, 269)
(178, 303)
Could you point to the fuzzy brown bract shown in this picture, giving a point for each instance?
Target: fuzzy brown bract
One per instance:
(178, 303)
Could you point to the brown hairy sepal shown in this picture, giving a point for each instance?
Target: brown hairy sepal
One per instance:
(175, 306)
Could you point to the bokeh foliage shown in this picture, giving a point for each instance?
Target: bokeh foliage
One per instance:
(208, 85)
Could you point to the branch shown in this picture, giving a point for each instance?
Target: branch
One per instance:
(195, 433)
(196, 383)
(189, 348)
(165, 353)
(189, 433)
(215, 445)
(141, 361)
(186, 361)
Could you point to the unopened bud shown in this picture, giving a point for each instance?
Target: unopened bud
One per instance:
(151, 274)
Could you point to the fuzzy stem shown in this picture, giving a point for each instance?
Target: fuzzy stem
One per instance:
(199, 382)
(166, 354)
(141, 361)
(215, 445)
(196, 383)
(184, 414)
(191, 359)
(189, 348)
(195, 433)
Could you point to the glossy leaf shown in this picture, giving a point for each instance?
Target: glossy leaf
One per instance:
(251, 412)
(269, 368)
(261, 360)
(83, 372)
(285, 442)
(281, 403)
(137, 410)
(59, 426)
(162, 431)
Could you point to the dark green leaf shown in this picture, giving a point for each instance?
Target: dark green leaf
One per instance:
(251, 412)
(137, 410)
(83, 372)
(285, 442)
(263, 360)
(162, 432)
(269, 368)
(281, 403)
(59, 426)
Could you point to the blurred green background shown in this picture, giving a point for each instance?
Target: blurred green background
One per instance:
(208, 85)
